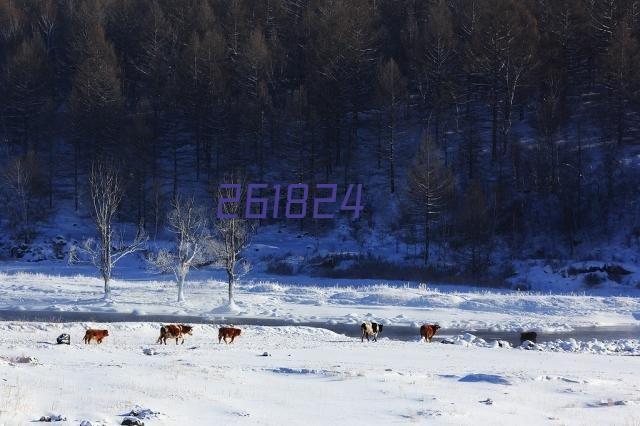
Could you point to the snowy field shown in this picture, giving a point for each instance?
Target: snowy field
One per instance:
(309, 376)
(329, 301)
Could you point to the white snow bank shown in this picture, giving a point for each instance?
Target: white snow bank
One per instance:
(452, 307)
(593, 346)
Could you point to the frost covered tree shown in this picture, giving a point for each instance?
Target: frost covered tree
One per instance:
(232, 236)
(188, 223)
(106, 194)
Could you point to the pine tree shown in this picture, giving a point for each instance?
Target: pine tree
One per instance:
(473, 224)
(27, 97)
(95, 100)
(391, 86)
(435, 59)
(430, 184)
(620, 63)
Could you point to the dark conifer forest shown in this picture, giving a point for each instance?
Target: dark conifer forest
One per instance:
(475, 126)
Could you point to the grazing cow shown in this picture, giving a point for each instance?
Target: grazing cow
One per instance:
(174, 331)
(370, 329)
(95, 334)
(532, 336)
(228, 333)
(427, 331)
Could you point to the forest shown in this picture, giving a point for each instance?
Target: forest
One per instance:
(476, 125)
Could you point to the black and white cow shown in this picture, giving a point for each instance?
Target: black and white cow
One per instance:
(370, 329)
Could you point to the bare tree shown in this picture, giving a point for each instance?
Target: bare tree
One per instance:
(188, 223)
(23, 189)
(503, 53)
(18, 180)
(233, 235)
(106, 251)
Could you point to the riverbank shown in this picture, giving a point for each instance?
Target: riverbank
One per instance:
(393, 304)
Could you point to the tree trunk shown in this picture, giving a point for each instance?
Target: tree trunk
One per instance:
(230, 279)
(218, 160)
(106, 259)
(261, 146)
(50, 175)
(379, 150)
(175, 168)
(494, 128)
(107, 288)
(181, 288)
(75, 177)
(505, 127)
(620, 114)
(198, 136)
(207, 158)
(336, 136)
(392, 168)
(312, 168)
(427, 238)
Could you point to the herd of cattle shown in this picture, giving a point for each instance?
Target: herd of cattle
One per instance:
(427, 331)
(228, 334)
(169, 331)
(372, 329)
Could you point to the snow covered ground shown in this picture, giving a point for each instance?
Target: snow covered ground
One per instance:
(320, 300)
(309, 376)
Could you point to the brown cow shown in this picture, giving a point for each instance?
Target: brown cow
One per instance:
(427, 331)
(228, 333)
(95, 334)
(174, 331)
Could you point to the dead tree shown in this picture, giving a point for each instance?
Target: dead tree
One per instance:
(106, 251)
